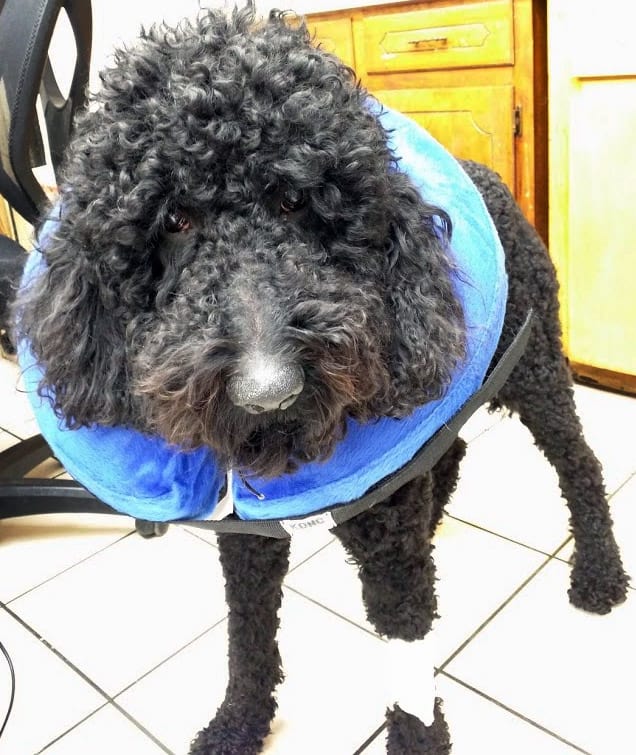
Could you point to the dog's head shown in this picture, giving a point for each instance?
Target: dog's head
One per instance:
(239, 262)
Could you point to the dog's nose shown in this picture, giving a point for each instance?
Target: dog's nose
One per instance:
(266, 385)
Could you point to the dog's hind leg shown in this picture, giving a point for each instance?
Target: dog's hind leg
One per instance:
(545, 403)
(540, 390)
(254, 568)
(391, 544)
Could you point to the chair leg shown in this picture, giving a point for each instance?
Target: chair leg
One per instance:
(150, 529)
(29, 497)
(24, 456)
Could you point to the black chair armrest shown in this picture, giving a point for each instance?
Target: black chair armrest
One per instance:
(26, 27)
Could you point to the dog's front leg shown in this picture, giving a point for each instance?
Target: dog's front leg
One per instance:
(391, 545)
(254, 568)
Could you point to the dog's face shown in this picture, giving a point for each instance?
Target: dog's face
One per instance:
(239, 263)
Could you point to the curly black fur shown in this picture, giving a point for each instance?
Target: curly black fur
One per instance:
(229, 191)
(540, 391)
(218, 121)
(407, 734)
(253, 579)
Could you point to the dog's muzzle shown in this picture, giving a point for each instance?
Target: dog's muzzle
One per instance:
(266, 385)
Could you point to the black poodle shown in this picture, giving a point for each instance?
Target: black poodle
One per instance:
(241, 264)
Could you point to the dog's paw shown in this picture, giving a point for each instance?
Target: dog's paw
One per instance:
(407, 734)
(232, 732)
(599, 584)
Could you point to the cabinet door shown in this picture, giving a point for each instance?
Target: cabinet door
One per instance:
(334, 35)
(473, 123)
(593, 180)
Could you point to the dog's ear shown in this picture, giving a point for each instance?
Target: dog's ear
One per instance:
(75, 329)
(428, 328)
(97, 253)
(94, 275)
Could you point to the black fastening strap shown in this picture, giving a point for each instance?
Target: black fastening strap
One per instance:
(424, 460)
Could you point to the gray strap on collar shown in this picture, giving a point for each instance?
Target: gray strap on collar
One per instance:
(423, 461)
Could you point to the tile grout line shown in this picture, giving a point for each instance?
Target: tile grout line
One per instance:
(495, 613)
(481, 433)
(370, 739)
(71, 728)
(124, 713)
(84, 677)
(627, 480)
(513, 712)
(184, 526)
(170, 657)
(12, 434)
(25, 436)
(310, 556)
(140, 726)
(334, 613)
(559, 548)
(375, 734)
(499, 535)
(570, 537)
(292, 569)
(68, 568)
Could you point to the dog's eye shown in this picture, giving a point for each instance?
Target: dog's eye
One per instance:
(178, 222)
(293, 200)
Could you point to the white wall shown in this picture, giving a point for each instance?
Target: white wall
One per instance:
(116, 22)
(316, 6)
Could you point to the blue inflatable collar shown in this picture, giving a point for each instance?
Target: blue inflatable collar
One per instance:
(148, 479)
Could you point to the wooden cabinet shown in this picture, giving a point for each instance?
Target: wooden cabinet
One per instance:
(336, 35)
(472, 122)
(593, 184)
(472, 72)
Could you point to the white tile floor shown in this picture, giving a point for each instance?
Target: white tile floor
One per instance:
(119, 643)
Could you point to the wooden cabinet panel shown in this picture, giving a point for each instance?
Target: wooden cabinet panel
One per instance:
(593, 185)
(335, 35)
(601, 265)
(475, 123)
(472, 34)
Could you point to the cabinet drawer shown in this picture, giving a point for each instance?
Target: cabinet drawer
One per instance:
(460, 36)
(334, 36)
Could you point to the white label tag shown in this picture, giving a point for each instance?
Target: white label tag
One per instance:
(225, 506)
(318, 521)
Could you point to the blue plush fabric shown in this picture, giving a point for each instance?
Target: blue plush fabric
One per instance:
(148, 479)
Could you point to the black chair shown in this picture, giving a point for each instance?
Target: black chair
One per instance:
(26, 28)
